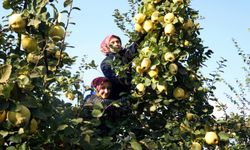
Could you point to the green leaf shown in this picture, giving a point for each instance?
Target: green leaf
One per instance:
(96, 113)
(62, 127)
(5, 71)
(135, 145)
(77, 121)
(223, 136)
(67, 3)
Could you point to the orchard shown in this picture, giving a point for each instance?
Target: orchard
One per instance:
(168, 106)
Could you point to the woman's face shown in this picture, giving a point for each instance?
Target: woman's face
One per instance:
(103, 90)
(115, 45)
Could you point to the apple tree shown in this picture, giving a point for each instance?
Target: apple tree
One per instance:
(35, 76)
(170, 96)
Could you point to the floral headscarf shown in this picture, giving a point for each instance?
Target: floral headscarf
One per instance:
(105, 43)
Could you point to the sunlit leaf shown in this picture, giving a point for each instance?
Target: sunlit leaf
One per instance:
(135, 145)
(96, 113)
(5, 71)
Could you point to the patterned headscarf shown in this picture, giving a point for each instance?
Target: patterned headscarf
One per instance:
(105, 43)
(99, 81)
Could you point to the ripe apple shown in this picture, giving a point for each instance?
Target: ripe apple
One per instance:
(32, 58)
(211, 138)
(196, 146)
(147, 25)
(60, 54)
(17, 23)
(139, 18)
(169, 17)
(189, 24)
(145, 64)
(138, 27)
(178, 1)
(70, 95)
(19, 116)
(189, 116)
(2, 116)
(160, 88)
(140, 88)
(153, 73)
(169, 29)
(169, 57)
(23, 80)
(56, 32)
(179, 93)
(146, 50)
(173, 68)
(155, 16)
(29, 44)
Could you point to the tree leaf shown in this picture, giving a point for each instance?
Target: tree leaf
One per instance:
(135, 145)
(223, 136)
(96, 113)
(67, 3)
(5, 72)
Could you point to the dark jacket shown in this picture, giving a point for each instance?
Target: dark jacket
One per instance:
(108, 66)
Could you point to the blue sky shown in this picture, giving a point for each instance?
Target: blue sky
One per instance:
(224, 20)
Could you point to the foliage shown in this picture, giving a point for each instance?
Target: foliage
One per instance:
(168, 105)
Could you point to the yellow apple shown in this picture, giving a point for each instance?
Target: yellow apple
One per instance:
(189, 116)
(19, 116)
(147, 25)
(2, 116)
(32, 58)
(140, 87)
(153, 73)
(155, 16)
(138, 27)
(59, 54)
(169, 29)
(186, 43)
(70, 95)
(56, 32)
(139, 18)
(196, 146)
(211, 138)
(189, 24)
(169, 57)
(23, 80)
(179, 93)
(161, 88)
(17, 23)
(33, 125)
(29, 44)
(169, 17)
(145, 63)
(178, 1)
(173, 68)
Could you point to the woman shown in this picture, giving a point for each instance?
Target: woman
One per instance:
(111, 46)
(102, 87)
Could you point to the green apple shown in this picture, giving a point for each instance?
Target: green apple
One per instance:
(29, 44)
(196, 146)
(179, 93)
(56, 32)
(19, 116)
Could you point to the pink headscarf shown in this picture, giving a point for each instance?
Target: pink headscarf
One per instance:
(105, 43)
